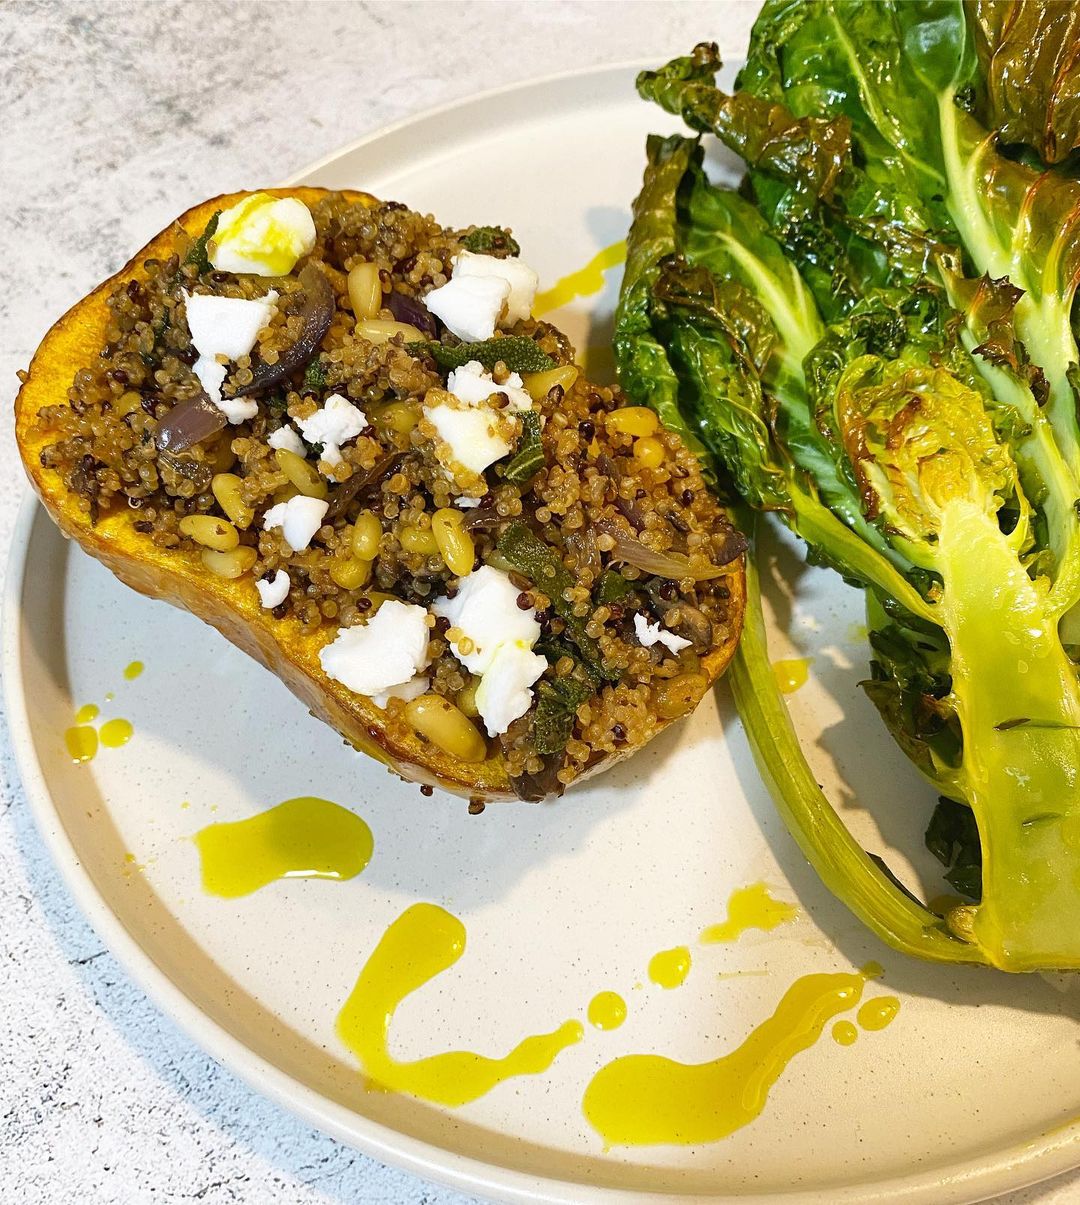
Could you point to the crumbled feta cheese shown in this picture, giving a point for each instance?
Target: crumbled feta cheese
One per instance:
(273, 591)
(299, 519)
(412, 689)
(473, 384)
(286, 438)
(467, 503)
(469, 306)
(523, 281)
(649, 634)
(471, 434)
(262, 235)
(211, 376)
(495, 641)
(334, 423)
(229, 327)
(386, 652)
(485, 610)
(504, 693)
(226, 326)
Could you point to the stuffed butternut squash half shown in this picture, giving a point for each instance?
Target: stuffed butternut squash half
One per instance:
(333, 429)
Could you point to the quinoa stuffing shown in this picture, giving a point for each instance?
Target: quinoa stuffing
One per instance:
(351, 407)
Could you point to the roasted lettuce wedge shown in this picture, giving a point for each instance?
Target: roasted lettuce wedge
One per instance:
(872, 338)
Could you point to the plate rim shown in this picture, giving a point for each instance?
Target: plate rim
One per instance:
(1019, 1165)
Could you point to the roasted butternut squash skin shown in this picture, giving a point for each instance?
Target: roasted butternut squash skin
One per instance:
(284, 646)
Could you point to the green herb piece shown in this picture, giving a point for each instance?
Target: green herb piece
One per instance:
(517, 352)
(553, 648)
(529, 459)
(488, 240)
(953, 838)
(612, 587)
(197, 254)
(557, 702)
(315, 376)
(541, 564)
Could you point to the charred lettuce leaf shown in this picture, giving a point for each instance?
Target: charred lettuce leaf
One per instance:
(1029, 55)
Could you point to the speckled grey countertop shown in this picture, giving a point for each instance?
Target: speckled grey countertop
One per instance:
(114, 117)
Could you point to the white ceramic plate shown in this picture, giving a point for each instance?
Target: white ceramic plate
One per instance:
(971, 1091)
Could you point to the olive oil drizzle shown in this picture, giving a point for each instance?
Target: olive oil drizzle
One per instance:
(306, 837)
(424, 941)
(648, 1100)
(583, 283)
(749, 908)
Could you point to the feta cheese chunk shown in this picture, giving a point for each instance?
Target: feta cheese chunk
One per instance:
(469, 306)
(412, 689)
(262, 235)
(334, 423)
(471, 434)
(273, 591)
(494, 639)
(229, 327)
(299, 519)
(473, 384)
(286, 438)
(226, 326)
(485, 610)
(649, 634)
(385, 654)
(467, 503)
(211, 376)
(504, 693)
(522, 280)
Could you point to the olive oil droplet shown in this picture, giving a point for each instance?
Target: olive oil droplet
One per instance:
(844, 1033)
(115, 733)
(424, 941)
(132, 671)
(607, 1010)
(876, 1014)
(305, 837)
(669, 968)
(87, 713)
(82, 743)
(792, 673)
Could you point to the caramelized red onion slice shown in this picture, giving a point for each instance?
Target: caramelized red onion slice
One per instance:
(316, 316)
(671, 565)
(413, 311)
(349, 490)
(189, 423)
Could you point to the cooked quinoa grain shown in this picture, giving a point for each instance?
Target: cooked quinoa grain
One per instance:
(605, 519)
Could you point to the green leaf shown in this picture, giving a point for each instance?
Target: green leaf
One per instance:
(952, 836)
(517, 352)
(315, 376)
(557, 701)
(490, 240)
(197, 253)
(1031, 72)
(645, 372)
(529, 459)
(612, 587)
(543, 566)
(769, 137)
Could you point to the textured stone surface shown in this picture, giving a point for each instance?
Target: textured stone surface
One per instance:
(116, 117)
